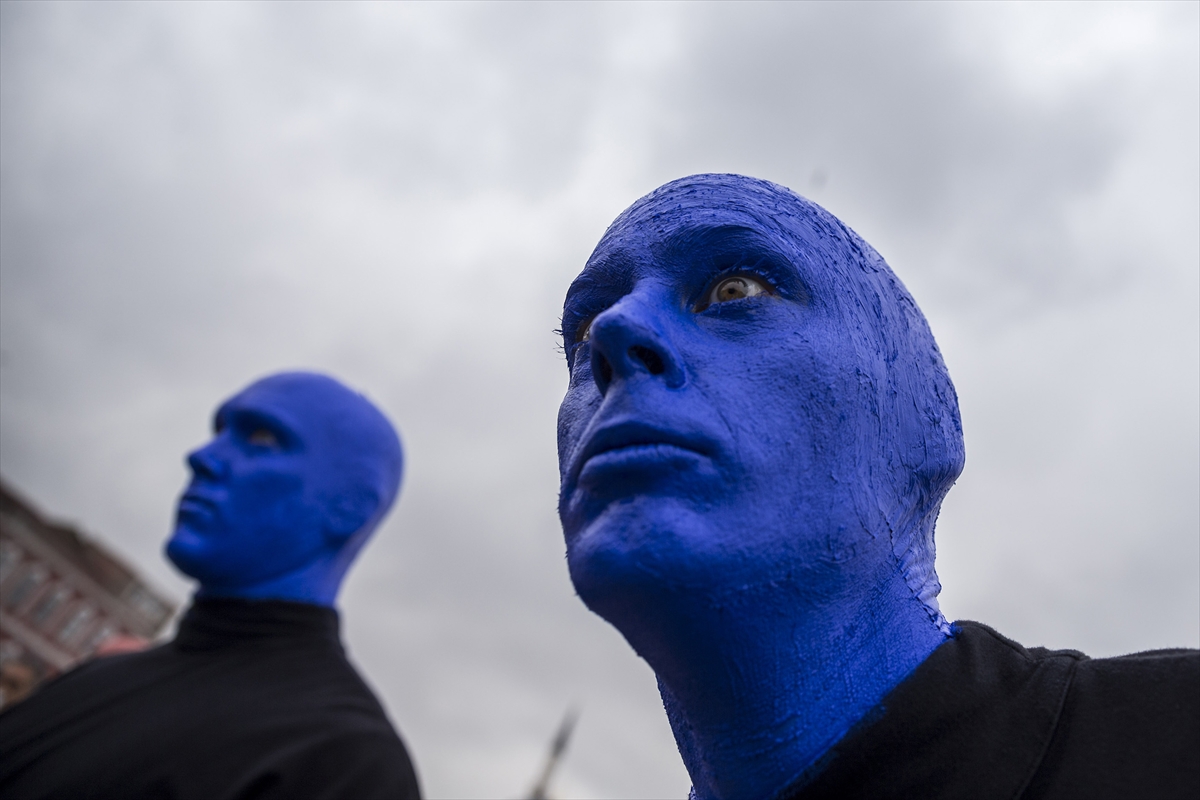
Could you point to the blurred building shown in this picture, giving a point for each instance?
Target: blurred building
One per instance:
(63, 596)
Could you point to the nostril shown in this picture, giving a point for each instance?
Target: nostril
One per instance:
(605, 369)
(651, 359)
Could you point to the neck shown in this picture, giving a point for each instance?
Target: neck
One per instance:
(758, 696)
(316, 583)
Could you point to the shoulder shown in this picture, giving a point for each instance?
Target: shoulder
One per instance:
(976, 638)
(50, 735)
(1012, 687)
(347, 763)
(327, 685)
(91, 684)
(354, 750)
(1122, 727)
(1129, 726)
(1159, 687)
(984, 717)
(971, 721)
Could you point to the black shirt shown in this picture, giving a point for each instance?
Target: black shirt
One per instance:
(983, 717)
(250, 700)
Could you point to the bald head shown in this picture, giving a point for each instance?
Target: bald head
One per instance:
(910, 443)
(299, 472)
(817, 374)
(753, 446)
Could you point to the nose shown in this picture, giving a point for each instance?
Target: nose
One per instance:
(206, 463)
(627, 342)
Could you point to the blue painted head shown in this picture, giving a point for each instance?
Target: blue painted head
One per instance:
(756, 439)
(298, 474)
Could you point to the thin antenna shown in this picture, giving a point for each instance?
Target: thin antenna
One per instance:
(557, 747)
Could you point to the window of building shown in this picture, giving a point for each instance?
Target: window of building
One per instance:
(50, 602)
(77, 621)
(27, 583)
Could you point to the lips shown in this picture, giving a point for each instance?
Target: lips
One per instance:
(196, 502)
(634, 436)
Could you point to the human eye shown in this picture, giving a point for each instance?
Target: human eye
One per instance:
(262, 437)
(584, 332)
(727, 288)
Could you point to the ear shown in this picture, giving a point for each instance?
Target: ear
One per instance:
(349, 511)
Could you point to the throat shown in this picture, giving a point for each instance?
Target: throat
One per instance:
(770, 696)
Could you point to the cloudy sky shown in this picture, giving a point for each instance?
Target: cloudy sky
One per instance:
(195, 195)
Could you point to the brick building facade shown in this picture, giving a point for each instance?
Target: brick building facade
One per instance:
(62, 596)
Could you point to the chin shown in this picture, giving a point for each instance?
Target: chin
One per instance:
(192, 555)
(185, 553)
(649, 554)
(645, 550)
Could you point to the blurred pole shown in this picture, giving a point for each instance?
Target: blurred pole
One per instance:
(557, 748)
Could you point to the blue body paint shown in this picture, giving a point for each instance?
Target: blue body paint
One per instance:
(299, 472)
(755, 442)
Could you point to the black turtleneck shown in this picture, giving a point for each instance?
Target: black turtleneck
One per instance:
(250, 700)
(984, 717)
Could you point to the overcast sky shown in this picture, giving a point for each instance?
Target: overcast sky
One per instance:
(192, 196)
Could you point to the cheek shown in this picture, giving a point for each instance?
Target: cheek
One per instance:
(799, 420)
(576, 410)
(266, 502)
(267, 526)
(282, 525)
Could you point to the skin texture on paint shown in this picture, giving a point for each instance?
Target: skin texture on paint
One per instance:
(298, 474)
(753, 448)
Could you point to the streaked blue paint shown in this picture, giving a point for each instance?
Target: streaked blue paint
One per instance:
(749, 488)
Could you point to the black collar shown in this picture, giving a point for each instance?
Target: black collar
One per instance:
(213, 623)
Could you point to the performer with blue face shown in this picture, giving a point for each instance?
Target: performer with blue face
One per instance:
(254, 696)
(298, 475)
(756, 439)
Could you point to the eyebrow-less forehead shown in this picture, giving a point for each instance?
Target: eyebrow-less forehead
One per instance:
(610, 270)
(291, 405)
(710, 200)
(706, 222)
(704, 243)
(255, 410)
(698, 210)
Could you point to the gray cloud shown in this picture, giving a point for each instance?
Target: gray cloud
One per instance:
(194, 195)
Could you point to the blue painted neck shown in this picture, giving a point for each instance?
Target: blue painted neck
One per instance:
(316, 583)
(792, 680)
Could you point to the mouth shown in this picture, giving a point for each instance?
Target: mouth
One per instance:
(193, 502)
(624, 443)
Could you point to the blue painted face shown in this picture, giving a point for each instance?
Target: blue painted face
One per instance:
(753, 447)
(754, 398)
(298, 473)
